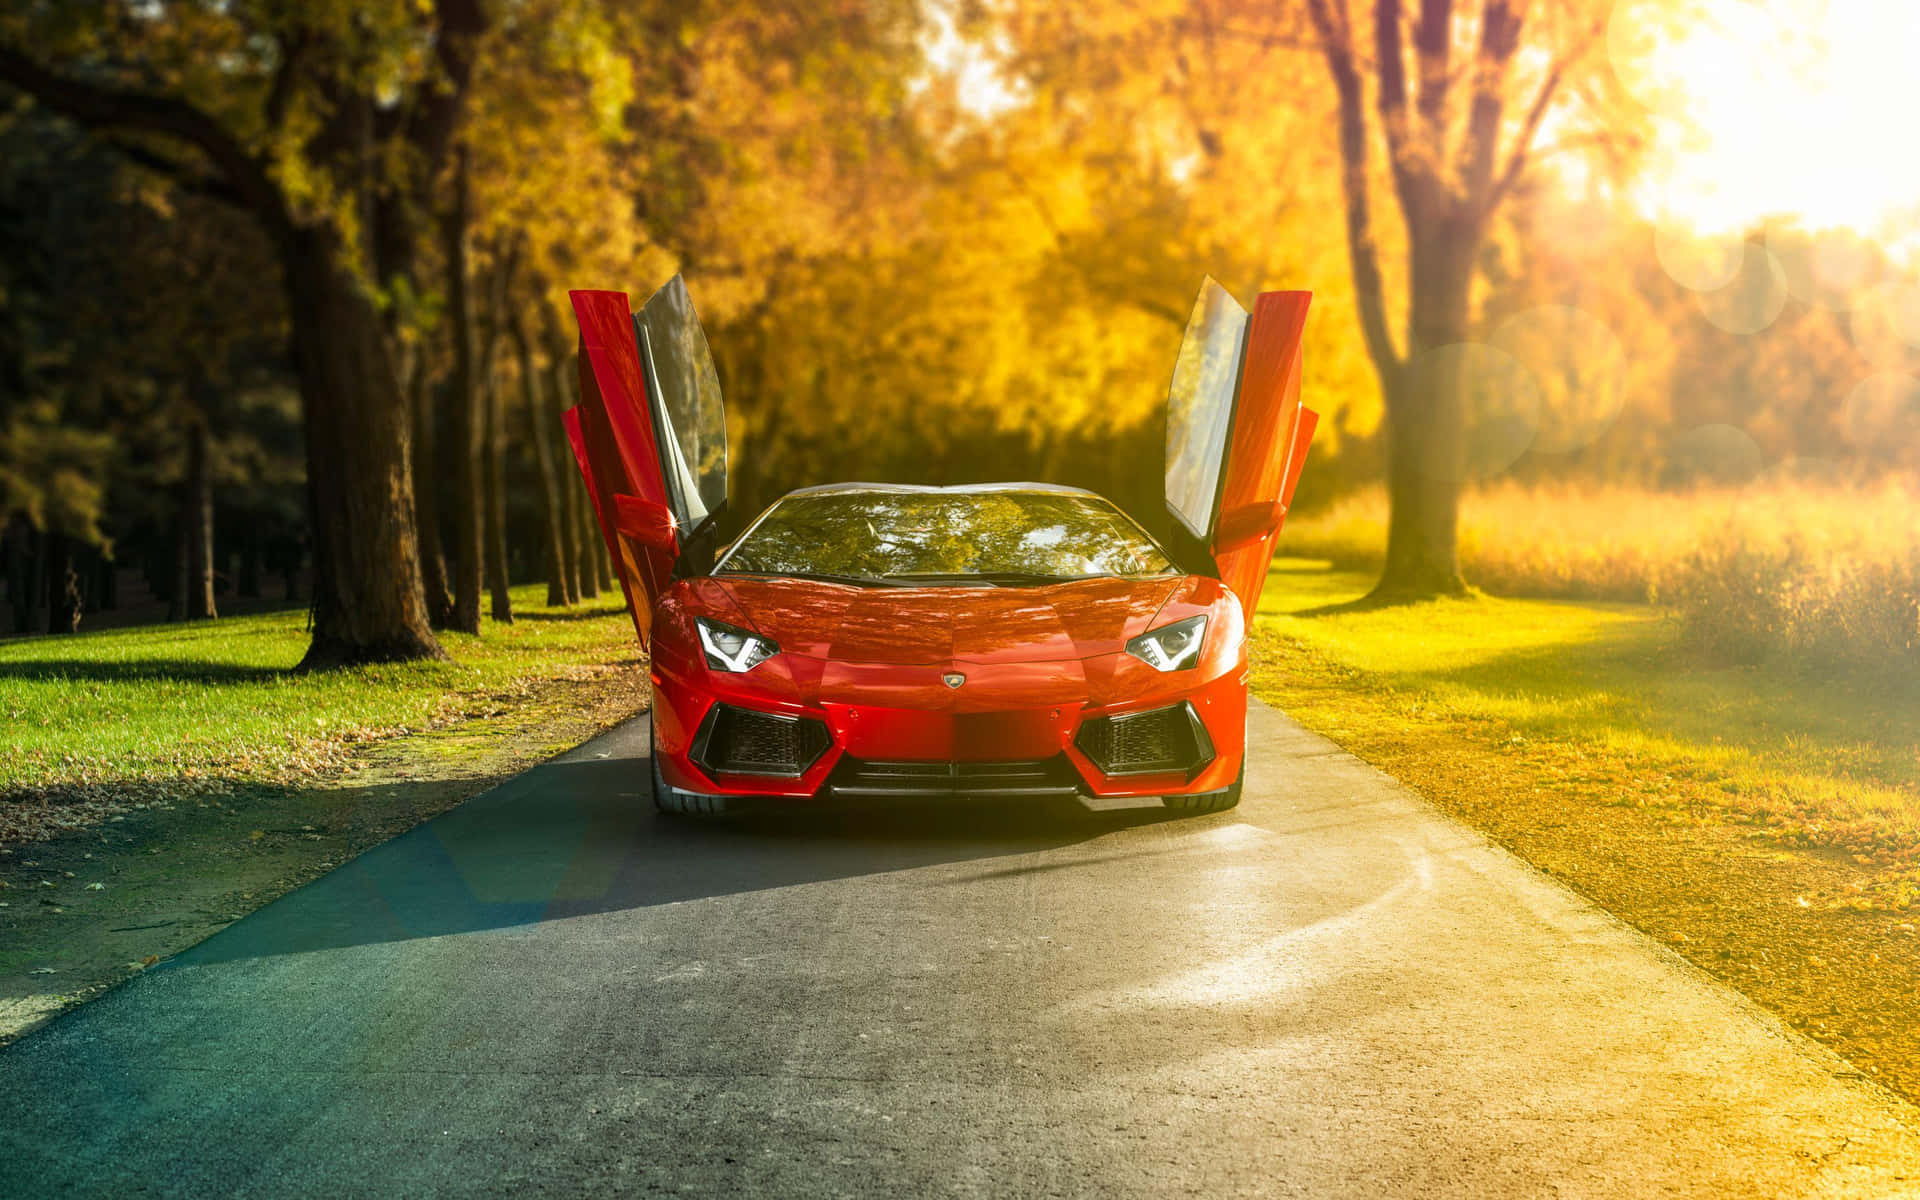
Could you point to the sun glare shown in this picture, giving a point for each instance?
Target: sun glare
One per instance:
(1781, 108)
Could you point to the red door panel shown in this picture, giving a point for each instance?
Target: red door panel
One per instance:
(613, 438)
(577, 439)
(1267, 447)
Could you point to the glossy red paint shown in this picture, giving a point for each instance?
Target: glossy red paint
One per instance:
(618, 453)
(1269, 440)
(1047, 659)
(876, 664)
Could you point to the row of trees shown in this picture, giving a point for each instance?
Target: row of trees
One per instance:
(905, 273)
(421, 175)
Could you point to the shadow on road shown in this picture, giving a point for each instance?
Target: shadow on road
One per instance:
(580, 835)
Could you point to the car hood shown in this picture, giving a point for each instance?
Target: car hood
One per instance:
(920, 626)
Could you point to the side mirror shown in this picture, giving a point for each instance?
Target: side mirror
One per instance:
(647, 523)
(1246, 525)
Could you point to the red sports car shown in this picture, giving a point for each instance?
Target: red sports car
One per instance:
(900, 642)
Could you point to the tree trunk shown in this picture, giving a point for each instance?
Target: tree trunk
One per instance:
(182, 558)
(1424, 504)
(196, 519)
(19, 547)
(570, 548)
(602, 566)
(586, 539)
(426, 497)
(581, 532)
(28, 585)
(562, 529)
(498, 584)
(63, 586)
(368, 602)
(1426, 419)
(559, 585)
(463, 429)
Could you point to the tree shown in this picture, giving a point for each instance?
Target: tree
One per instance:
(327, 124)
(53, 452)
(1458, 136)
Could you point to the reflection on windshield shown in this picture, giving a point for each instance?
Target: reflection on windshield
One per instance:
(1011, 537)
(685, 391)
(1200, 405)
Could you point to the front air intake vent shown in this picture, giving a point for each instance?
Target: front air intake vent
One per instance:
(1041, 779)
(1154, 742)
(743, 741)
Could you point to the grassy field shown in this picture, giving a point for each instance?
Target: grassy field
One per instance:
(1826, 573)
(156, 712)
(1763, 821)
(1606, 701)
(159, 783)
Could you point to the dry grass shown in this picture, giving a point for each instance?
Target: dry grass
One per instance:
(1830, 573)
(1762, 820)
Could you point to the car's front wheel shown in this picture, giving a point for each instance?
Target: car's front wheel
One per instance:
(670, 799)
(1209, 802)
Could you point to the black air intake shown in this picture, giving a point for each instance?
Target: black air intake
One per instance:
(868, 779)
(1147, 743)
(741, 741)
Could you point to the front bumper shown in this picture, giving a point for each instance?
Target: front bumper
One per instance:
(1016, 731)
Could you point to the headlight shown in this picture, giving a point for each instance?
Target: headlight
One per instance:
(730, 649)
(1171, 647)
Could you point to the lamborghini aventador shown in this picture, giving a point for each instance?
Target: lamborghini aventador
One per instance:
(903, 643)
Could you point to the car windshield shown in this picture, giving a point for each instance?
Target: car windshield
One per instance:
(963, 537)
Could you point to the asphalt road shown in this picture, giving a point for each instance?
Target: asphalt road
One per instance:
(1332, 991)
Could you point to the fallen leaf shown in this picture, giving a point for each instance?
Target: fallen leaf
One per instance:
(257, 834)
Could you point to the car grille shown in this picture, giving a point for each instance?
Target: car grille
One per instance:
(741, 741)
(934, 780)
(1147, 743)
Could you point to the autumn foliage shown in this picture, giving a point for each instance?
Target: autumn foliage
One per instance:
(930, 242)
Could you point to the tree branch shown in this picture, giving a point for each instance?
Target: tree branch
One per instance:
(293, 49)
(1391, 66)
(1336, 46)
(1270, 40)
(1522, 148)
(1500, 25)
(108, 108)
(183, 174)
(1523, 141)
(436, 118)
(1433, 42)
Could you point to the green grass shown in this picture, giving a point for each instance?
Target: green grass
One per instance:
(1774, 568)
(1605, 702)
(173, 704)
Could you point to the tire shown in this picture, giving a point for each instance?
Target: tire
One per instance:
(669, 799)
(1208, 802)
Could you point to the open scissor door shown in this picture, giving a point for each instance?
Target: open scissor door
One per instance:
(1237, 436)
(650, 437)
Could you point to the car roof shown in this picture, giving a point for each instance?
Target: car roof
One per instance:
(958, 489)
